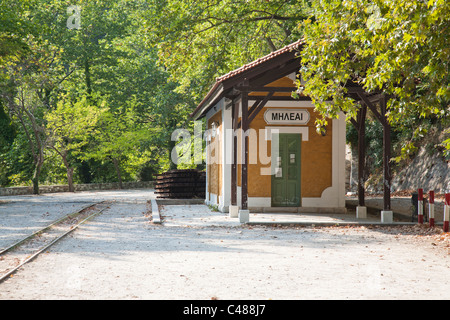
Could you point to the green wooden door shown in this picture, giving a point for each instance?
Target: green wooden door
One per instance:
(286, 179)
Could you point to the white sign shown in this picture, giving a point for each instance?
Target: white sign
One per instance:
(286, 116)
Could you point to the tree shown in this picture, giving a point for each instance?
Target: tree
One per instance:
(13, 29)
(116, 137)
(106, 57)
(200, 40)
(394, 47)
(87, 48)
(70, 126)
(398, 50)
(25, 90)
(136, 83)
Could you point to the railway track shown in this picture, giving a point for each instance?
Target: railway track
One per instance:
(21, 252)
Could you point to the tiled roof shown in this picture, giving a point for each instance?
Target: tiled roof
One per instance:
(218, 88)
(290, 47)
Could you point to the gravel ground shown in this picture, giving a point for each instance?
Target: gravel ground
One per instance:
(199, 254)
(22, 215)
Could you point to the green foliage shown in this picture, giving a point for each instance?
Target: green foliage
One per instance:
(7, 130)
(400, 48)
(373, 142)
(200, 40)
(13, 29)
(104, 99)
(395, 47)
(71, 123)
(103, 105)
(16, 162)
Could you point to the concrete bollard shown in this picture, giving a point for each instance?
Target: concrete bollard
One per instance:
(244, 216)
(233, 211)
(387, 216)
(420, 207)
(431, 208)
(361, 212)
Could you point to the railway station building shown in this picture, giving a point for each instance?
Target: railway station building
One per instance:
(264, 153)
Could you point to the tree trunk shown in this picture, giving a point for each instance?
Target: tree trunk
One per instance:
(119, 176)
(35, 184)
(37, 172)
(68, 169)
(173, 166)
(361, 154)
(70, 179)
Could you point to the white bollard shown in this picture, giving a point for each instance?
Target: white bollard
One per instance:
(233, 211)
(361, 212)
(387, 216)
(420, 207)
(244, 216)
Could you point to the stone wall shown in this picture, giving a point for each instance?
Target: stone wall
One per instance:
(14, 191)
(427, 171)
(430, 172)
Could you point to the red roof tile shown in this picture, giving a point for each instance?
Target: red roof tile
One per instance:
(290, 47)
(217, 85)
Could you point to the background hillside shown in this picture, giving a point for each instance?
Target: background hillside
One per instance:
(427, 167)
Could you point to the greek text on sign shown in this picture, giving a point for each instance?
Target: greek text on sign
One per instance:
(286, 116)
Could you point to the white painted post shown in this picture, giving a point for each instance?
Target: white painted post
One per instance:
(420, 207)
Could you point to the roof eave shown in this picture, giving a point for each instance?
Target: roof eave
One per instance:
(213, 96)
(227, 81)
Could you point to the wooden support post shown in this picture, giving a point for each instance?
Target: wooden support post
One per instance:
(244, 144)
(387, 177)
(361, 153)
(234, 121)
(259, 107)
(382, 117)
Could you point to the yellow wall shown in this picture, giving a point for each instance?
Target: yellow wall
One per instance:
(215, 170)
(315, 162)
(316, 157)
(316, 167)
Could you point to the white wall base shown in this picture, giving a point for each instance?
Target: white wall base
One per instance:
(222, 207)
(264, 204)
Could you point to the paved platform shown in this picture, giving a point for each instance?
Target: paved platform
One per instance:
(321, 219)
(183, 212)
